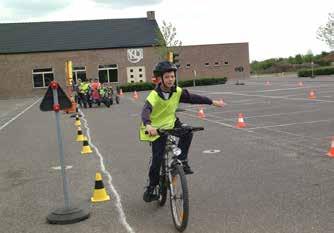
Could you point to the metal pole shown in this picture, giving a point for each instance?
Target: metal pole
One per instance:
(61, 151)
(194, 83)
(312, 69)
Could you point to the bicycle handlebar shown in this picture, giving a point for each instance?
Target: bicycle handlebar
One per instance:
(178, 131)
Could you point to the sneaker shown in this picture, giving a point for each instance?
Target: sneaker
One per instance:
(149, 194)
(187, 169)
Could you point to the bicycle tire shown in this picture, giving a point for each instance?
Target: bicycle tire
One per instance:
(162, 191)
(180, 211)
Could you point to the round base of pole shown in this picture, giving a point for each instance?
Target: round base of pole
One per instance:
(67, 216)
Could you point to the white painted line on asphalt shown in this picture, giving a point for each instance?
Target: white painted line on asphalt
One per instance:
(14, 118)
(58, 167)
(280, 114)
(211, 151)
(297, 123)
(217, 122)
(267, 96)
(112, 188)
(283, 89)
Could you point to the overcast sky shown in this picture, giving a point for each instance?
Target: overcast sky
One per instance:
(272, 28)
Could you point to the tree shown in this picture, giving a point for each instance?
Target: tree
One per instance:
(166, 40)
(326, 32)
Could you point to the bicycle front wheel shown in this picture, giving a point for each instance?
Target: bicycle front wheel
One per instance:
(179, 200)
(162, 190)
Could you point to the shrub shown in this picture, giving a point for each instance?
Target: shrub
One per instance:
(182, 83)
(317, 71)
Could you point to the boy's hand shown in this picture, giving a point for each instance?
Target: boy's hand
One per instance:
(151, 130)
(218, 103)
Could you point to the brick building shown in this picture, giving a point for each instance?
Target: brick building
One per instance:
(114, 50)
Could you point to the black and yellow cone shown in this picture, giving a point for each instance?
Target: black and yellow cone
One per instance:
(100, 193)
(80, 136)
(85, 147)
(77, 121)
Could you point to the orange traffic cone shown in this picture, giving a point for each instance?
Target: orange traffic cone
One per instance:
(121, 92)
(201, 113)
(100, 193)
(312, 95)
(135, 95)
(241, 123)
(300, 84)
(331, 150)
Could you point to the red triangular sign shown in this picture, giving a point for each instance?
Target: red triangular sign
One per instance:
(47, 102)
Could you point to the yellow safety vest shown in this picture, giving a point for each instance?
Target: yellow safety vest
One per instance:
(163, 113)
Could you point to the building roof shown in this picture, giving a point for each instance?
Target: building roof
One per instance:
(77, 35)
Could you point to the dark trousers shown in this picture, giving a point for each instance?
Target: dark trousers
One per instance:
(158, 149)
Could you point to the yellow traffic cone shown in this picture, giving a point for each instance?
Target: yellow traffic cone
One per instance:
(85, 147)
(100, 193)
(77, 121)
(80, 137)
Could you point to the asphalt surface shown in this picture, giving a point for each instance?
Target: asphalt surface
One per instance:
(271, 177)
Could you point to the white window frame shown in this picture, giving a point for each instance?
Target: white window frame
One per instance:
(42, 73)
(76, 70)
(107, 69)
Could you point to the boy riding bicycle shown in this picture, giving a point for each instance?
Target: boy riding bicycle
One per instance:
(159, 112)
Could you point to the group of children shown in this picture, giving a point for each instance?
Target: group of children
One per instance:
(93, 92)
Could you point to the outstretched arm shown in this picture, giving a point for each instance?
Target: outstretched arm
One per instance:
(187, 97)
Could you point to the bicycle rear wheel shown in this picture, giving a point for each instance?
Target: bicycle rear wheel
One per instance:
(179, 200)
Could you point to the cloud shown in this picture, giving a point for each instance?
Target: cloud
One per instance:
(29, 8)
(121, 4)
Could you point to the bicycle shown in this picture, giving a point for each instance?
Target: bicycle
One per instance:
(172, 177)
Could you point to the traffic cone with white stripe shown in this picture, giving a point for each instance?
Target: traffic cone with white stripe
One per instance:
(80, 136)
(331, 150)
(201, 113)
(241, 123)
(121, 92)
(77, 121)
(85, 147)
(135, 95)
(100, 193)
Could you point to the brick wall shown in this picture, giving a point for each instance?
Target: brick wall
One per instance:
(16, 69)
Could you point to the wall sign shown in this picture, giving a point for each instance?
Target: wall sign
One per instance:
(135, 55)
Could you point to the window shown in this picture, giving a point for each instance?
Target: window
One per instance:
(108, 73)
(131, 70)
(140, 75)
(239, 69)
(79, 73)
(207, 64)
(226, 63)
(131, 76)
(188, 66)
(217, 63)
(140, 70)
(42, 77)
